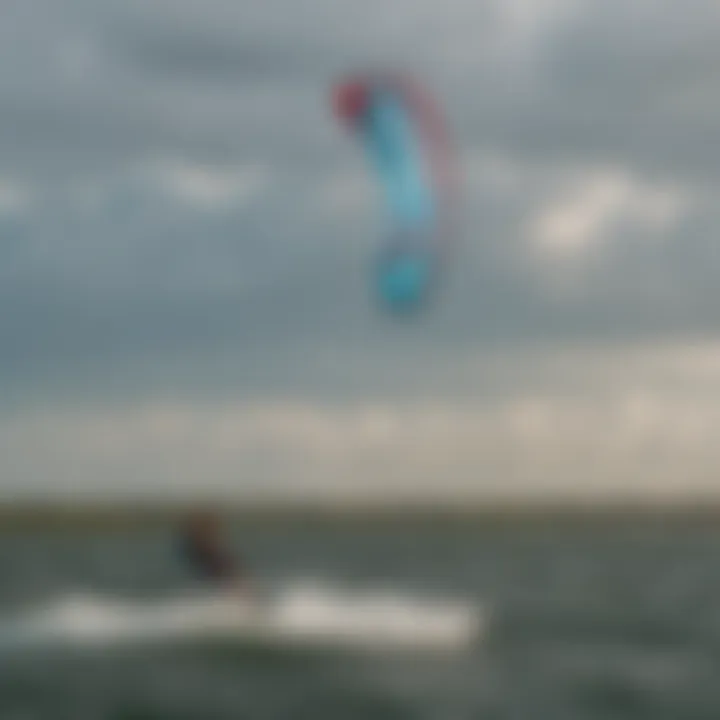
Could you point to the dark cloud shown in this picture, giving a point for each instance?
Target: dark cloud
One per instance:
(143, 289)
(634, 83)
(192, 56)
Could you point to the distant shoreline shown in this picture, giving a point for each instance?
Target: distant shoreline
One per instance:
(493, 514)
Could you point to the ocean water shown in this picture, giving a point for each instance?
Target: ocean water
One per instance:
(584, 623)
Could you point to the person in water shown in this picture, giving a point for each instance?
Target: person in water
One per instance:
(203, 549)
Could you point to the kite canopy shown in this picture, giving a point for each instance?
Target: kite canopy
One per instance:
(404, 278)
(405, 138)
(351, 100)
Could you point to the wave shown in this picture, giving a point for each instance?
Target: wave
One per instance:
(300, 615)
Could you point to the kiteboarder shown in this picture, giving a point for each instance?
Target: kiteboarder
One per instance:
(204, 550)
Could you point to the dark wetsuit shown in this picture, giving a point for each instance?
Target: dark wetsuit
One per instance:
(208, 559)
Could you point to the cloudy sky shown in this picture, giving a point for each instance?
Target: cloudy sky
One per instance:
(185, 234)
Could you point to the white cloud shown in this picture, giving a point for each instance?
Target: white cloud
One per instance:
(584, 423)
(78, 58)
(205, 187)
(345, 195)
(489, 171)
(526, 26)
(588, 208)
(15, 197)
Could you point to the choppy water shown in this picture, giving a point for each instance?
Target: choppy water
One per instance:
(585, 624)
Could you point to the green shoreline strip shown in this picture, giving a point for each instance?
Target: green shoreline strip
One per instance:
(117, 516)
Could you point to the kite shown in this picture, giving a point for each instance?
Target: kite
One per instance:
(402, 131)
